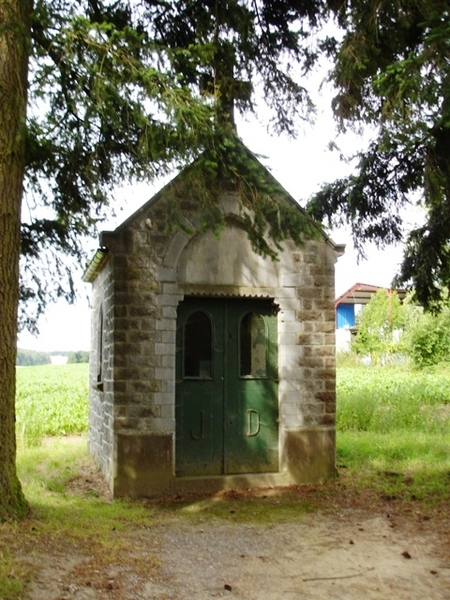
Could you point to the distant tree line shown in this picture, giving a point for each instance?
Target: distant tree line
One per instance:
(81, 356)
(26, 358)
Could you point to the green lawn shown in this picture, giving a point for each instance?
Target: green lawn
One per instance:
(394, 429)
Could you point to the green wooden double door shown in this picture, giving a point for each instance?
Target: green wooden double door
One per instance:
(227, 387)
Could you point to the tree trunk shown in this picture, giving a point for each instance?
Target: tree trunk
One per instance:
(14, 51)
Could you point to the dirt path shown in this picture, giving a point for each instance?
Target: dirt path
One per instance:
(339, 554)
(334, 556)
(340, 541)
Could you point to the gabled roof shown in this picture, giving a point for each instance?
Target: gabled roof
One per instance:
(96, 264)
(339, 248)
(361, 293)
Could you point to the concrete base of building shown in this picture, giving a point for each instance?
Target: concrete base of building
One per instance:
(145, 466)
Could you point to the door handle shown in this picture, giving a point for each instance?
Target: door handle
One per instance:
(252, 432)
(200, 436)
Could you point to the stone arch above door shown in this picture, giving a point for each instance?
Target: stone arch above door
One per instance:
(227, 260)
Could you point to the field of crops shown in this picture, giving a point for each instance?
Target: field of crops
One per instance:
(387, 418)
(51, 400)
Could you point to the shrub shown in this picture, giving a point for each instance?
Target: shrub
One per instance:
(428, 339)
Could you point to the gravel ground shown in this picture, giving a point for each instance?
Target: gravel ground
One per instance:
(348, 555)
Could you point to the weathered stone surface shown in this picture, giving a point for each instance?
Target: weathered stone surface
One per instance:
(144, 463)
(310, 454)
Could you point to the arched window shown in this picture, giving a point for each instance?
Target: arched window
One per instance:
(198, 343)
(253, 346)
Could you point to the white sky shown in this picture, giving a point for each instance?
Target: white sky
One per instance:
(301, 166)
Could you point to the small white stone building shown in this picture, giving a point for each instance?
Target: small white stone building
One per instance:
(212, 367)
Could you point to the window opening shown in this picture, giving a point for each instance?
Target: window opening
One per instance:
(253, 346)
(198, 337)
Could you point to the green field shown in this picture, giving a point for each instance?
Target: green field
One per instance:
(389, 420)
(51, 400)
(386, 399)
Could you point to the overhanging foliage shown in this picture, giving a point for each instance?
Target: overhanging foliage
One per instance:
(392, 72)
(130, 89)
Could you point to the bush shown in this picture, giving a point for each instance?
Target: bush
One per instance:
(428, 339)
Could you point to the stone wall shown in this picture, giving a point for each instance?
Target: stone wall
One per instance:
(101, 372)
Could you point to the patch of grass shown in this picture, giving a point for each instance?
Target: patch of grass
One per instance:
(13, 576)
(49, 466)
(51, 400)
(46, 472)
(384, 399)
(348, 359)
(411, 467)
(394, 430)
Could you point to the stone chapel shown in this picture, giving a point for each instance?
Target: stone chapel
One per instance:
(212, 367)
